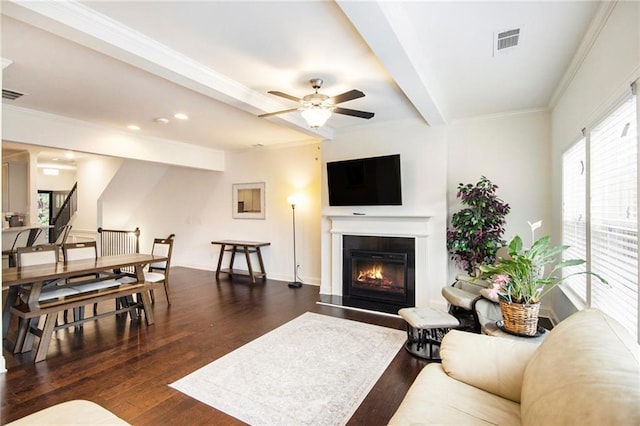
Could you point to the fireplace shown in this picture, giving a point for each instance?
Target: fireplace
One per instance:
(378, 272)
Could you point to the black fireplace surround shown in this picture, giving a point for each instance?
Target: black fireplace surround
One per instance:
(378, 273)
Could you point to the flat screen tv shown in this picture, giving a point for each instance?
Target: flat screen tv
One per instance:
(374, 181)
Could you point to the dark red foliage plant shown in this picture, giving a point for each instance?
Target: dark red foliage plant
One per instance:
(476, 231)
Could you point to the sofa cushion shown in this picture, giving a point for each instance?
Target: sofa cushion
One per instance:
(492, 364)
(437, 399)
(585, 372)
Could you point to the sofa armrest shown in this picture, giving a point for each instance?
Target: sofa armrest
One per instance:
(493, 364)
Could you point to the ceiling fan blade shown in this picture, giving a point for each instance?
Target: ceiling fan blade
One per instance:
(353, 112)
(269, 114)
(346, 96)
(284, 95)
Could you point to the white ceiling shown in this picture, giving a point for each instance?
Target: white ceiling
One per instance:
(121, 62)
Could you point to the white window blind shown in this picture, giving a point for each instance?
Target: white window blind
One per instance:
(613, 215)
(574, 216)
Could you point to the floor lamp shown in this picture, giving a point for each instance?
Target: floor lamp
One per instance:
(295, 283)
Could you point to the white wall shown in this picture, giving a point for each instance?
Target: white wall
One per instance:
(513, 151)
(126, 191)
(62, 182)
(422, 152)
(196, 206)
(94, 175)
(603, 78)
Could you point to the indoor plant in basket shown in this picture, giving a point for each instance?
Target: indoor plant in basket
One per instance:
(476, 231)
(523, 278)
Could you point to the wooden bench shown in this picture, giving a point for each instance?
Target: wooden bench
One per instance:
(49, 309)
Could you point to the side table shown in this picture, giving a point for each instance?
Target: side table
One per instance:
(491, 329)
(246, 247)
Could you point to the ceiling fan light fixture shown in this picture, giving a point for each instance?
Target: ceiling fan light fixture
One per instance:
(316, 108)
(316, 116)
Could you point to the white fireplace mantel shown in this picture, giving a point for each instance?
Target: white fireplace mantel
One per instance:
(416, 227)
(396, 226)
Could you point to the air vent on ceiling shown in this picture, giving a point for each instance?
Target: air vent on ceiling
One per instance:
(506, 39)
(10, 94)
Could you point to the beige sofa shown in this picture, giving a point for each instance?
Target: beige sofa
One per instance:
(586, 372)
(71, 413)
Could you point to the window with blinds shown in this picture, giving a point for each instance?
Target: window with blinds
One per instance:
(574, 215)
(610, 243)
(614, 214)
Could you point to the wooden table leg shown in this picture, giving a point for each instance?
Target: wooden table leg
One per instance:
(259, 253)
(146, 304)
(45, 339)
(144, 295)
(247, 256)
(12, 296)
(233, 258)
(25, 338)
(220, 260)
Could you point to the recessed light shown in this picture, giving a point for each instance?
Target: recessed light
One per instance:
(69, 155)
(51, 172)
(133, 127)
(181, 116)
(161, 120)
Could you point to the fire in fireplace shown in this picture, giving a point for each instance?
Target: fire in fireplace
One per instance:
(378, 272)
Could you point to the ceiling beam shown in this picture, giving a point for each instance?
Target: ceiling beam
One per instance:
(388, 32)
(83, 25)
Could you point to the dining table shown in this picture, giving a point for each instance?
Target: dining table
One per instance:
(32, 278)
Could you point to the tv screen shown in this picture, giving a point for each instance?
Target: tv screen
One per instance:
(374, 181)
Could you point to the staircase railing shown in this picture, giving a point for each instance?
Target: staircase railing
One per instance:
(64, 215)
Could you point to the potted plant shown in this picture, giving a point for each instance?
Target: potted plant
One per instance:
(476, 231)
(523, 278)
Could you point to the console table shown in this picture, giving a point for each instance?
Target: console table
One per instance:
(245, 247)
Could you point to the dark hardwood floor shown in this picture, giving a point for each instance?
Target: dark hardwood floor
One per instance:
(126, 366)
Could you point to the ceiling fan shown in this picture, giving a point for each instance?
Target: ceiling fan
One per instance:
(316, 108)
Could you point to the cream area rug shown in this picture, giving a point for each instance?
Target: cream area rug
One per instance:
(313, 370)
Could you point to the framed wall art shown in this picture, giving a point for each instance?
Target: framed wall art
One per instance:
(248, 200)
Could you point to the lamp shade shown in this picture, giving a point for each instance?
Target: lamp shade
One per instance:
(316, 116)
(292, 199)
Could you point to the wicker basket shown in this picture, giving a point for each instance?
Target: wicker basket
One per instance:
(520, 319)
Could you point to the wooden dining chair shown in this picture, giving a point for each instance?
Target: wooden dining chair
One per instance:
(82, 251)
(40, 255)
(158, 272)
(62, 237)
